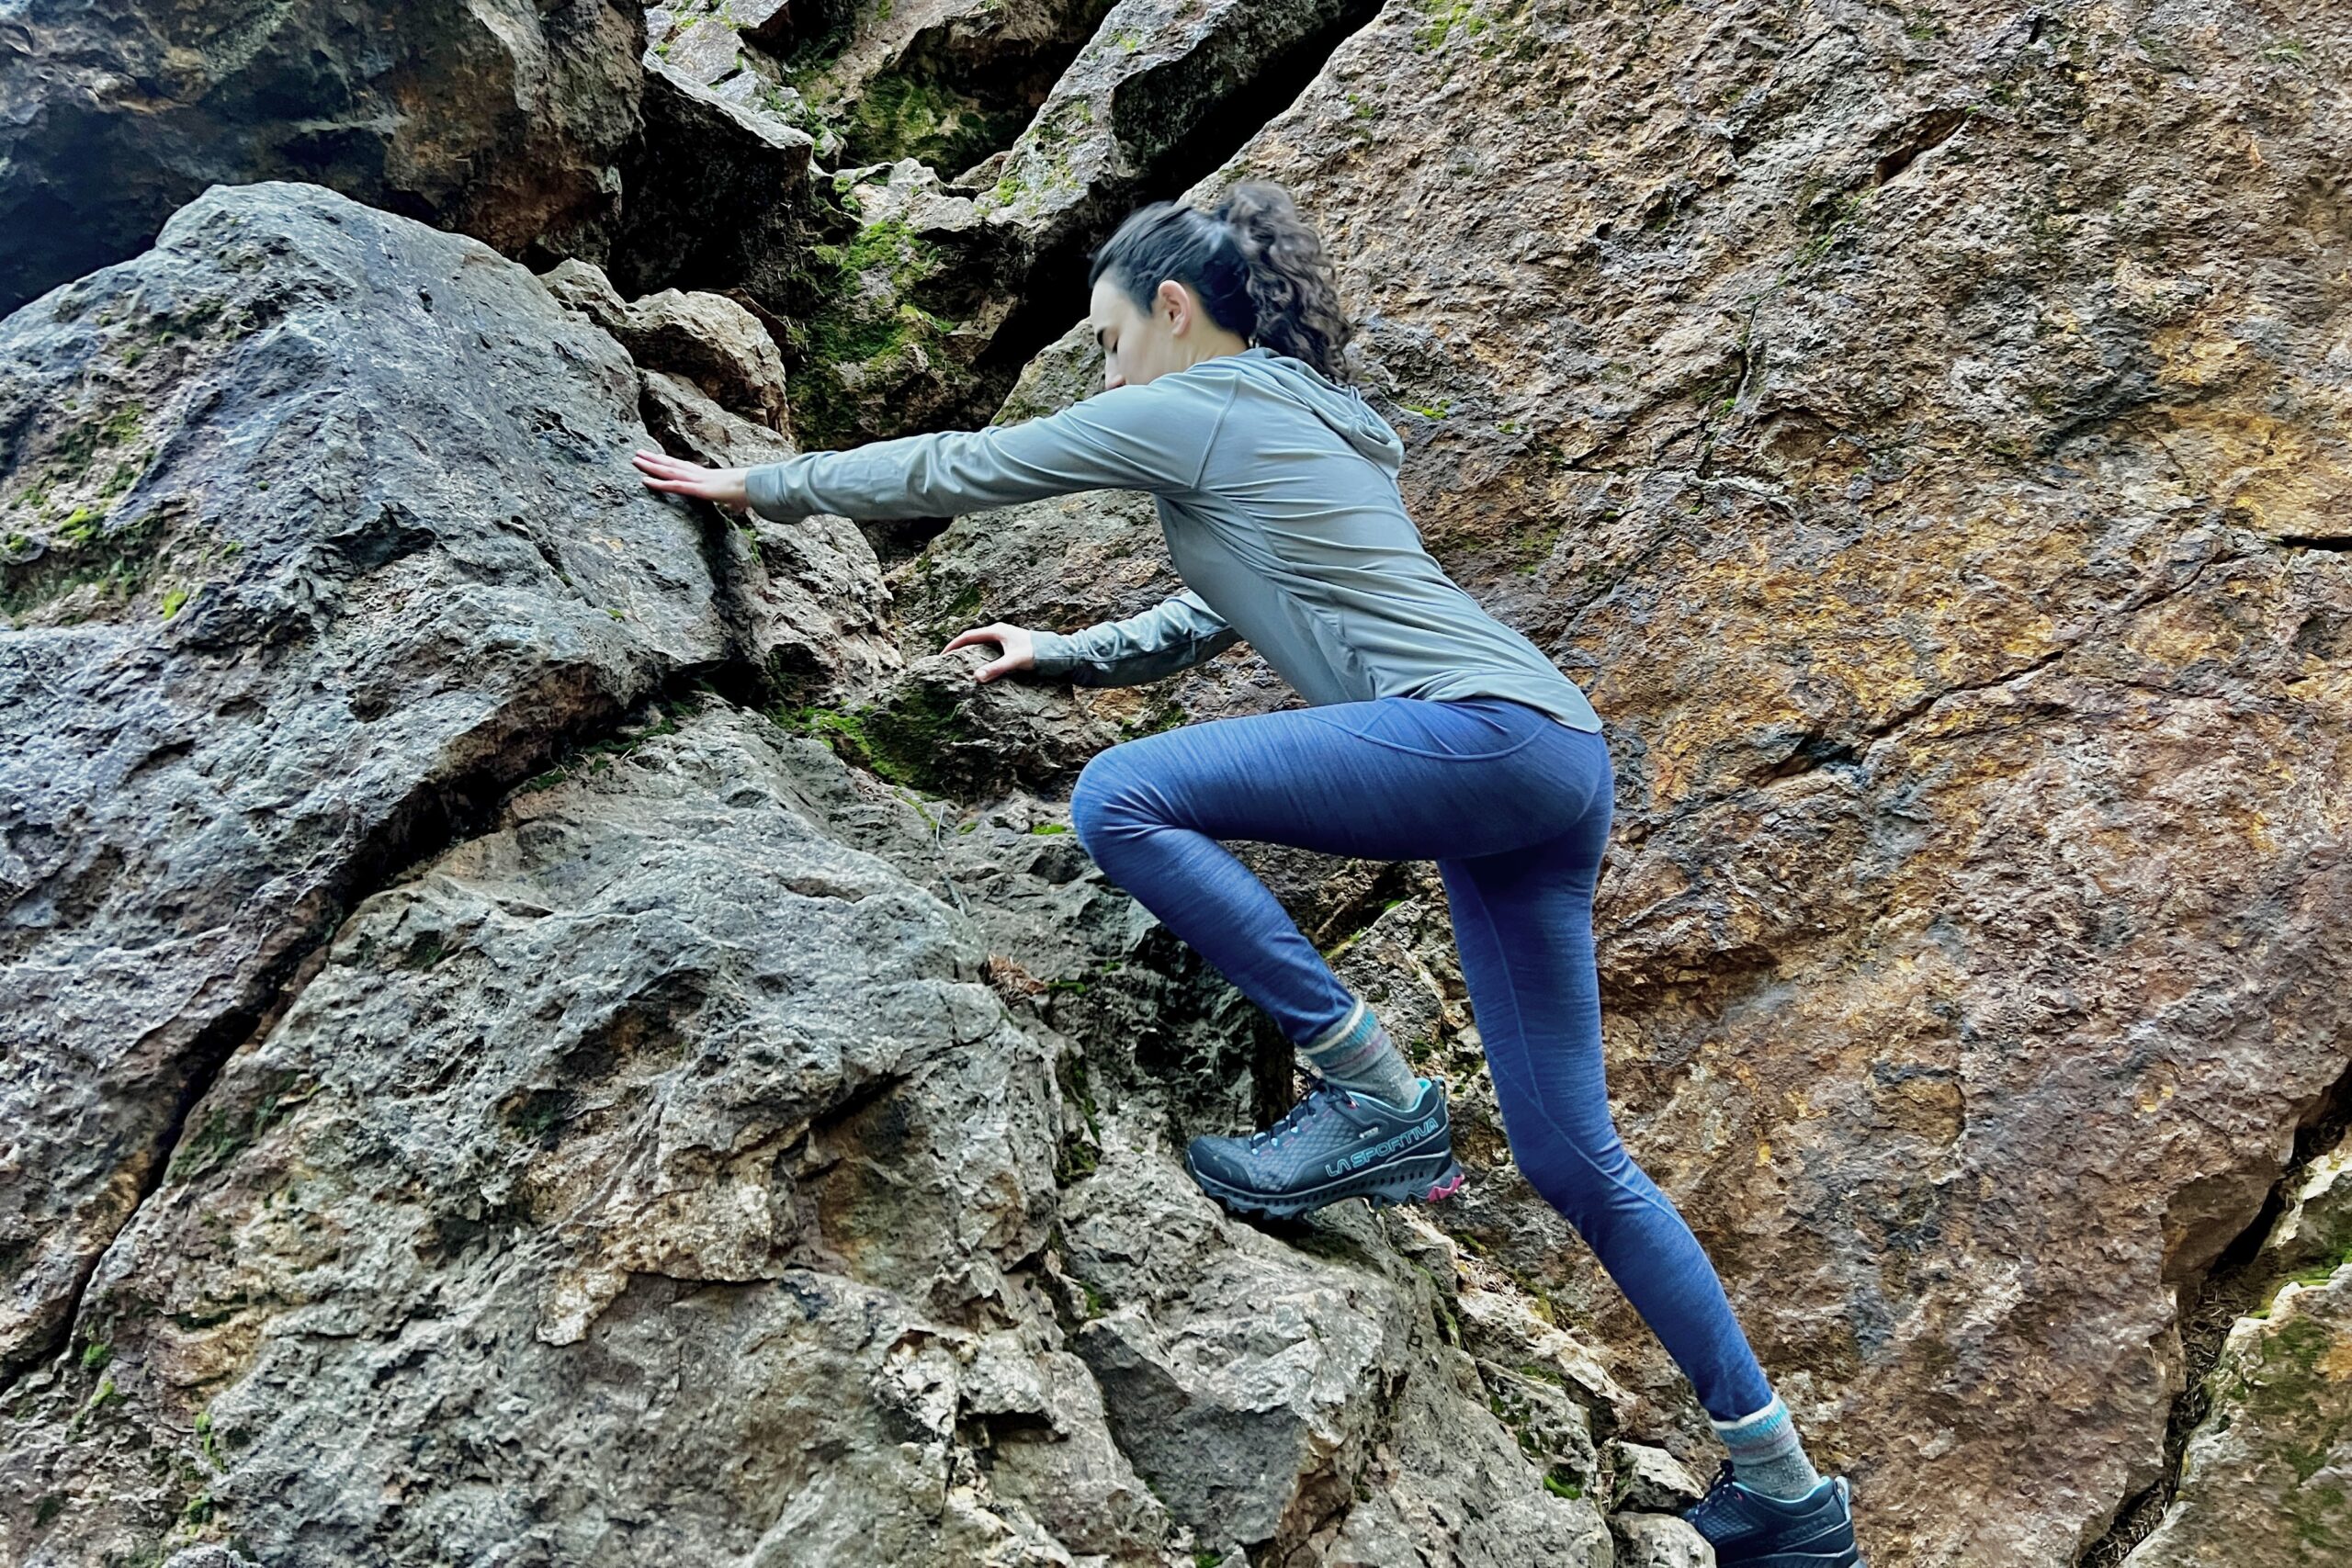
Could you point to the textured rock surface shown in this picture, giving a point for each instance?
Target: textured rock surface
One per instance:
(2268, 1478)
(1920, 443)
(1923, 433)
(1659, 1540)
(504, 119)
(326, 529)
(663, 1073)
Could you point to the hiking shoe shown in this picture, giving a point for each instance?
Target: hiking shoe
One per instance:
(1333, 1145)
(1750, 1529)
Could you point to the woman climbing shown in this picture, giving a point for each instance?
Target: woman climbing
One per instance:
(1433, 731)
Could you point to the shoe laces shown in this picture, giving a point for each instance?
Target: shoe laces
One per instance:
(1320, 1095)
(1718, 1496)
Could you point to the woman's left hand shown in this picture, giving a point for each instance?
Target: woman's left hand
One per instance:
(661, 471)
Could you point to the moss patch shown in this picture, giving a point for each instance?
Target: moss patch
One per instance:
(910, 741)
(228, 1130)
(857, 340)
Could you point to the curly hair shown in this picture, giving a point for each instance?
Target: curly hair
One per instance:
(1258, 268)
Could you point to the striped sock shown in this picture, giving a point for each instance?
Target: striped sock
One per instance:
(1766, 1455)
(1357, 1054)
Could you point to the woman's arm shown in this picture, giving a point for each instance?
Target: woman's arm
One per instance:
(1153, 435)
(1175, 634)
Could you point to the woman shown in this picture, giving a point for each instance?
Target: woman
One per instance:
(1433, 731)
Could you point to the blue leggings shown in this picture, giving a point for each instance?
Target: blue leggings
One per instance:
(1514, 807)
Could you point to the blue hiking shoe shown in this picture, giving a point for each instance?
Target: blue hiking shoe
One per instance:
(1750, 1529)
(1333, 1145)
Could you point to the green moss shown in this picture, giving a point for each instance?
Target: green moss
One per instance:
(80, 444)
(97, 1354)
(1444, 17)
(898, 115)
(907, 741)
(1151, 721)
(82, 552)
(852, 323)
(173, 600)
(229, 1129)
(1556, 1481)
(1049, 827)
(598, 755)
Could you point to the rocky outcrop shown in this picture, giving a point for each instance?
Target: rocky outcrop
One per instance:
(2269, 1478)
(2263, 1475)
(290, 595)
(552, 1020)
(584, 1021)
(1914, 435)
(501, 120)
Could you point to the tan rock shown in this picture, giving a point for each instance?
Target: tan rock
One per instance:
(1877, 428)
(2268, 1479)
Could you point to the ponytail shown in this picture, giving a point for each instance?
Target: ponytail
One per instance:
(1256, 265)
(1295, 298)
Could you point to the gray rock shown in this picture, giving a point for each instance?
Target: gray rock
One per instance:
(1659, 1540)
(1650, 1480)
(718, 197)
(332, 532)
(707, 339)
(2266, 1477)
(498, 118)
(2316, 1225)
(656, 1118)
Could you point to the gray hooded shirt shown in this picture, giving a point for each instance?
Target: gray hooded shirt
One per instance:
(1276, 489)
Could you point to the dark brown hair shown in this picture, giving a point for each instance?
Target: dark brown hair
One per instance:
(1256, 267)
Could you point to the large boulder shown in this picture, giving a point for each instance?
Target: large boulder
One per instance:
(323, 530)
(1924, 446)
(504, 119)
(658, 1170)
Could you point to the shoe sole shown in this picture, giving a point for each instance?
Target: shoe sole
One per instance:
(1849, 1558)
(1430, 1178)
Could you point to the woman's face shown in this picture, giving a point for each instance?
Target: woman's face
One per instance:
(1138, 345)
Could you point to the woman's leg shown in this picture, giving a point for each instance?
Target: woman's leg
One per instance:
(1523, 924)
(1398, 778)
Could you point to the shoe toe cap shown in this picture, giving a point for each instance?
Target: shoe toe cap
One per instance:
(1219, 1159)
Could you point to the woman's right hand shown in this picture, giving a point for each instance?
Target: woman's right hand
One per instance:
(1019, 652)
(675, 475)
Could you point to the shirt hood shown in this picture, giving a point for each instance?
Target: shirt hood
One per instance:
(1342, 407)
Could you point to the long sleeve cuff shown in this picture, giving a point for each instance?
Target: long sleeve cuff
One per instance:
(1052, 654)
(772, 496)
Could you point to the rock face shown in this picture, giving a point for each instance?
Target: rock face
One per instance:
(545, 1024)
(2266, 1478)
(1931, 482)
(322, 527)
(504, 119)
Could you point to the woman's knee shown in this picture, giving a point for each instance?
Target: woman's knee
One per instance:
(1585, 1186)
(1099, 799)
